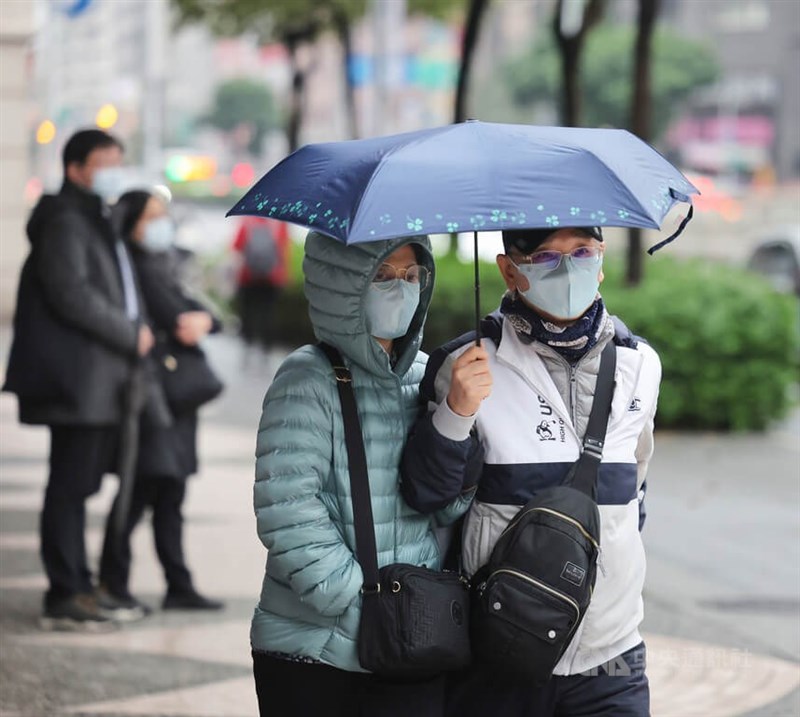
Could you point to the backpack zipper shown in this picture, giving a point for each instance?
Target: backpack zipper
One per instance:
(559, 515)
(574, 522)
(561, 596)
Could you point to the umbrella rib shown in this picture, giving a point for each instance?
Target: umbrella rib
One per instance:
(388, 154)
(653, 223)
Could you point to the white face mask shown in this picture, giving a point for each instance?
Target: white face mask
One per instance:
(564, 292)
(389, 311)
(107, 182)
(159, 235)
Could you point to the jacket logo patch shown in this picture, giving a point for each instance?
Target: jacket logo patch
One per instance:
(544, 432)
(636, 405)
(573, 574)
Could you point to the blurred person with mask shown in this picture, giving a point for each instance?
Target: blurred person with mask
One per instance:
(506, 420)
(369, 301)
(79, 330)
(167, 455)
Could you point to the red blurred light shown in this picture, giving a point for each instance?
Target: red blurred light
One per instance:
(243, 174)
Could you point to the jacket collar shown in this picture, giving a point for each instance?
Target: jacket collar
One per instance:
(84, 200)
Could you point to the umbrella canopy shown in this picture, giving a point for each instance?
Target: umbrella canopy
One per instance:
(473, 176)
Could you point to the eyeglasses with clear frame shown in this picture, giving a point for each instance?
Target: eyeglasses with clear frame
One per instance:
(388, 275)
(582, 256)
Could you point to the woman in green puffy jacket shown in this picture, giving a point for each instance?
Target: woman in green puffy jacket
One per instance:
(369, 301)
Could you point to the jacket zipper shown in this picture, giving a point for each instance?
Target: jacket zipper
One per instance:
(527, 578)
(573, 395)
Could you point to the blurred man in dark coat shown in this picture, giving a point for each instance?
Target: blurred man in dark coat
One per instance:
(78, 332)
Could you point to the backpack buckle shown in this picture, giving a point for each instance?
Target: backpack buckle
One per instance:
(370, 589)
(593, 447)
(342, 374)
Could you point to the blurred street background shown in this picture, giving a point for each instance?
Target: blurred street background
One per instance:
(207, 95)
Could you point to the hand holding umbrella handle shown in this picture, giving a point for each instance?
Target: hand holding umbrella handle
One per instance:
(470, 382)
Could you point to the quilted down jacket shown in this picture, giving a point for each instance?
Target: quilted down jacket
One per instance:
(310, 602)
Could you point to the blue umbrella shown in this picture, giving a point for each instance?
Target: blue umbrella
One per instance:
(474, 176)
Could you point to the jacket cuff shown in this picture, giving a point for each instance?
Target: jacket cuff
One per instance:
(450, 425)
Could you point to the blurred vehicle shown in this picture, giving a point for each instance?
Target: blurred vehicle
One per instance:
(777, 257)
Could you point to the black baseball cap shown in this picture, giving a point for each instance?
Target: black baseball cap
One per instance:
(527, 241)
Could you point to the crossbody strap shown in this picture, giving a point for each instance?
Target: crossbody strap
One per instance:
(366, 551)
(584, 473)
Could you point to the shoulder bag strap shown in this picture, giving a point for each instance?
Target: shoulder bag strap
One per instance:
(584, 473)
(366, 552)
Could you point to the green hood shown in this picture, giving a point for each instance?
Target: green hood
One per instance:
(337, 277)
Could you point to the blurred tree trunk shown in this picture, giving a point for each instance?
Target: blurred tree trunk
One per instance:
(343, 29)
(477, 9)
(641, 116)
(297, 97)
(570, 44)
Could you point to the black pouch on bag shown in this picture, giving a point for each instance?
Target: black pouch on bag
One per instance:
(532, 595)
(416, 625)
(186, 376)
(414, 620)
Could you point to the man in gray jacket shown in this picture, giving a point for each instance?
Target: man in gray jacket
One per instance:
(506, 420)
(78, 331)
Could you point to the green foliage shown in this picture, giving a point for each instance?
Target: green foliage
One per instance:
(452, 311)
(679, 66)
(729, 345)
(438, 9)
(244, 101)
(272, 21)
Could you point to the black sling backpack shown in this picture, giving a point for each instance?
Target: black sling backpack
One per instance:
(532, 595)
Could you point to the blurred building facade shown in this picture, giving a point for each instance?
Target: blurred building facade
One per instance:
(16, 31)
(750, 120)
(156, 83)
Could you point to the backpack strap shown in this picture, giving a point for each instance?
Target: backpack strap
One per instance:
(583, 474)
(364, 525)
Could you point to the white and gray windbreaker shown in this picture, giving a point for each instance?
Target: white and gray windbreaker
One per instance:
(524, 438)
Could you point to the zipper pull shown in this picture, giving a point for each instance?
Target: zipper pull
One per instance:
(600, 560)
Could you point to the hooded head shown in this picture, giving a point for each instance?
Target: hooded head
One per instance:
(337, 282)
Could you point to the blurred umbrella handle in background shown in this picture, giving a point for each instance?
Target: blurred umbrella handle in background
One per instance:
(133, 401)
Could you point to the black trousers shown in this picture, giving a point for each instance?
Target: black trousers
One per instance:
(617, 689)
(294, 689)
(79, 457)
(165, 496)
(256, 304)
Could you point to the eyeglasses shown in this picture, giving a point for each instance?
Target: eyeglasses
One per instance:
(582, 256)
(387, 275)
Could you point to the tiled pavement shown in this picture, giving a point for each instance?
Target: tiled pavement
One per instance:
(185, 665)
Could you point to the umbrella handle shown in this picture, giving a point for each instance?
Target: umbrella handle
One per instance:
(477, 291)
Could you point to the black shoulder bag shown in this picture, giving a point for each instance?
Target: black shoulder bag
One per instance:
(532, 595)
(414, 620)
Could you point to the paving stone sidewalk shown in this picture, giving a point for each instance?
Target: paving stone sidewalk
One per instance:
(198, 665)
